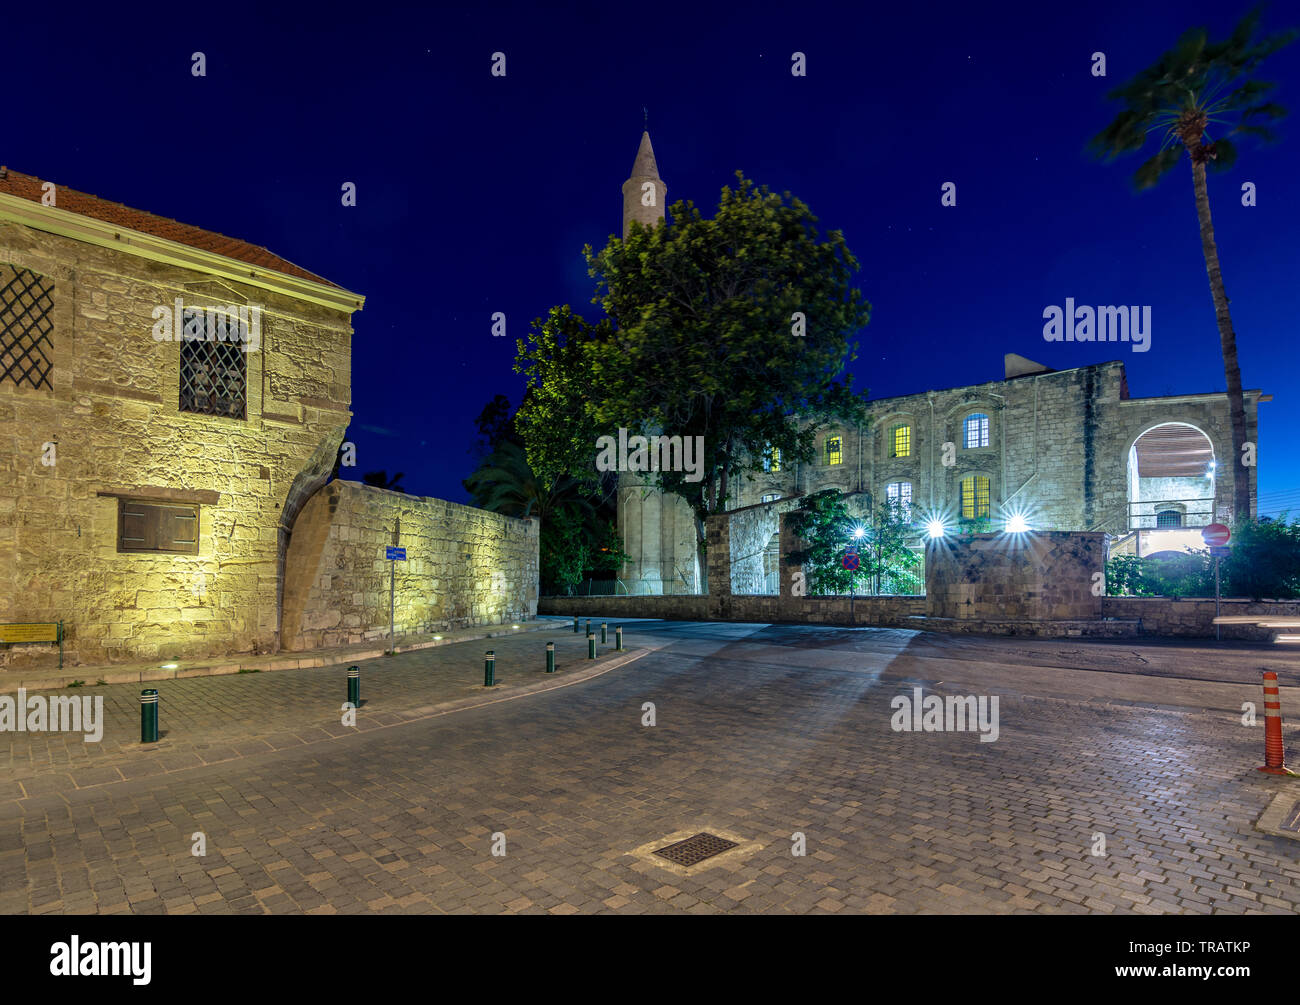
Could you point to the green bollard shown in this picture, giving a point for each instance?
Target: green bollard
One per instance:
(618, 638)
(149, 716)
(550, 657)
(354, 686)
(489, 668)
(575, 624)
(589, 626)
(604, 634)
(591, 646)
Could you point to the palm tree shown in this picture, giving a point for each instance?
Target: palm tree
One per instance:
(505, 483)
(380, 480)
(1193, 88)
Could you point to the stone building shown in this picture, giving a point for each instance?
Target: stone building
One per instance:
(172, 403)
(150, 479)
(1046, 449)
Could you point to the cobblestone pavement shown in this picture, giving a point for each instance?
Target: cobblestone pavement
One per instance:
(760, 732)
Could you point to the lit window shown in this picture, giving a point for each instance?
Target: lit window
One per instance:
(900, 441)
(772, 459)
(899, 496)
(977, 431)
(974, 496)
(770, 497)
(834, 450)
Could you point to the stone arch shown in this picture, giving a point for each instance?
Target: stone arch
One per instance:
(1170, 465)
(315, 473)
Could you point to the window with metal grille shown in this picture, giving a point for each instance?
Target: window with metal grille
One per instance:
(974, 496)
(214, 370)
(977, 431)
(1169, 518)
(26, 324)
(154, 526)
(900, 441)
(772, 459)
(770, 497)
(834, 450)
(899, 496)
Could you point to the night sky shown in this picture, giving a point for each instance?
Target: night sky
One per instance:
(475, 193)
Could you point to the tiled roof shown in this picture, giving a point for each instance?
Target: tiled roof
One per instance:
(27, 187)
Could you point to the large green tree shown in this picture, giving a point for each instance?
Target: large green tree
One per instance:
(737, 329)
(1196, 97)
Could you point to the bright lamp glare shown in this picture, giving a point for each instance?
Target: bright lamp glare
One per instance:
(935, 528)
(858, 532)
(1017, 524)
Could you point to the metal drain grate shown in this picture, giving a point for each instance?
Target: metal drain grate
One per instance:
(695, 849)
(1291, 822)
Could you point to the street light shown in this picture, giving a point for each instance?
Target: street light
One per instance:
(1017, 524)
(935, 528)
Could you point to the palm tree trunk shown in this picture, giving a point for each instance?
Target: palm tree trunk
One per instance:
(1228, 345)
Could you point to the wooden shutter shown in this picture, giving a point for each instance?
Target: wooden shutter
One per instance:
(170, 527)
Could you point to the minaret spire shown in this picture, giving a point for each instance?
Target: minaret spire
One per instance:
(644, 193)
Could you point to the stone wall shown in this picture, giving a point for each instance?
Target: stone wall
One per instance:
(113, 416)
(1194, 617)
(464, 567)
(668, 608)
(860, 611)
(1039, 576)
(733, 538)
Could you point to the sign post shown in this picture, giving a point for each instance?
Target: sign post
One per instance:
(394, 555)
(1216, 536)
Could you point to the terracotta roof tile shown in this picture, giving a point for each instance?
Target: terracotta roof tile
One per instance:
(27, 187)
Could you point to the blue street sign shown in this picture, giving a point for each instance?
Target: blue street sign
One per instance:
(396, 554)
(850, 561)
(1217, 552)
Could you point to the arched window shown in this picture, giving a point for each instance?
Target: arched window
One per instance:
(975, 431)
(900, 440)
(899, 496)
(1169, 518)
(834, 450)
(974, 496)
(772, 458)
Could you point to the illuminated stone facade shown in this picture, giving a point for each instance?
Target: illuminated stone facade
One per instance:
(464, 567)
(102, 424)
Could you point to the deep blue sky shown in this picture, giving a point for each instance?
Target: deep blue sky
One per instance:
(476, 194)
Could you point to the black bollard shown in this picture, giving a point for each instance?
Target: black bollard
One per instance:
(489, 668)
(149, 716)
(550, 657)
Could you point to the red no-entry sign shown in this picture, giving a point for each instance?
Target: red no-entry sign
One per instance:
(1216, 535)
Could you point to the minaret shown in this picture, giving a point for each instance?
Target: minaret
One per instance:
(644, 193)
(658, 531)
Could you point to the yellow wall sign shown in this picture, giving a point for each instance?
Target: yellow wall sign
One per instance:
(29, 633)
